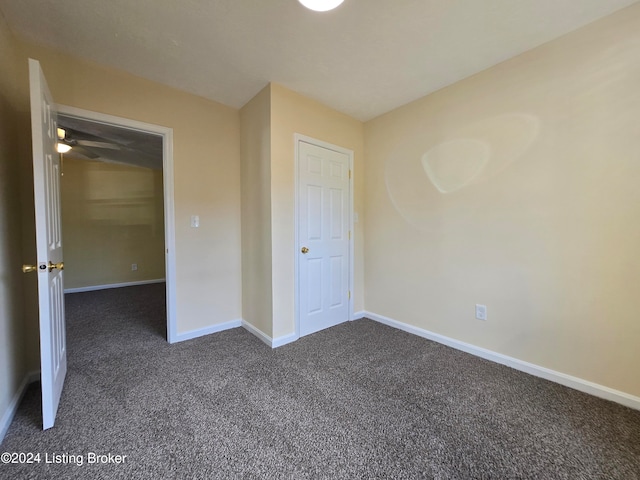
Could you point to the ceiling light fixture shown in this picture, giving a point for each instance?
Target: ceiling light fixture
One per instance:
(321, 5)
(63, 147)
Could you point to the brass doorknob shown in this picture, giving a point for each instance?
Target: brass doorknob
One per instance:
(59, 265)
(29, 268)
(304, 250)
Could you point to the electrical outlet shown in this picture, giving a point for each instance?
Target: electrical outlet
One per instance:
(134, 267)
(481, 312)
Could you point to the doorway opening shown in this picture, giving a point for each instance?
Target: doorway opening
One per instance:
(119, 205)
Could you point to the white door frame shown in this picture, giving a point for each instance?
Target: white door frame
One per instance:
(169, 210)
(329, 146)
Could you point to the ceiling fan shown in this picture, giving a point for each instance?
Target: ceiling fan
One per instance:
(69, 139)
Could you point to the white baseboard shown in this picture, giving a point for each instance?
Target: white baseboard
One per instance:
(112, 285)
(181, 337)
(359, 315)
(266, 339)
(271, 342)
(576, 383)
(7, 417)
(284, 340)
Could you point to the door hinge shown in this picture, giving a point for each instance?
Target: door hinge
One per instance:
(349, 234)
(349, 174)
(349, 294)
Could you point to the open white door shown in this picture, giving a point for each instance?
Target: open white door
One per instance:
(46, 187)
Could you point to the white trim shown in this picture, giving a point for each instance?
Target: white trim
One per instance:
(576, 383)
(10, 412)
(296, 226)
(112, 285)
(169, 210)
(284, 340)
(352, 236)
(201, 332)
(258, 333)
(266, 339)
(297, 138)
(359, 315)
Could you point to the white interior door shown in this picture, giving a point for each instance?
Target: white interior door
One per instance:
(46, 187)
(323, 237)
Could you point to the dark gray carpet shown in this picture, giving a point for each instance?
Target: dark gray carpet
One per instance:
(360, 400)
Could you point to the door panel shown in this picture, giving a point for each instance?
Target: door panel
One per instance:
(336, 215)
(323, 228)
(337, 288)
(314, 267)
(314, 212)
(46, 187)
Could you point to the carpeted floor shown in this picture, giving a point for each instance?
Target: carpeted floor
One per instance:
(361, 400)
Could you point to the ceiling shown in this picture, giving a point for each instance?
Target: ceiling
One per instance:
(364, 58)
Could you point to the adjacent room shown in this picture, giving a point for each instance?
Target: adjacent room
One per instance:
(112, 206)
(320, 239)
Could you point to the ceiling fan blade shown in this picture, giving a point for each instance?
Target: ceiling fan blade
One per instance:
(85, 152)
(91, 143)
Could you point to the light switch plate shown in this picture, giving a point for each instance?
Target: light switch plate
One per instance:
(195, 221)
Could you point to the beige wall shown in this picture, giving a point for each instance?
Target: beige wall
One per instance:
(518, 188)
(206, 176)
(293, 113)
(255, 148)
(112, 217)
(12, 358)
